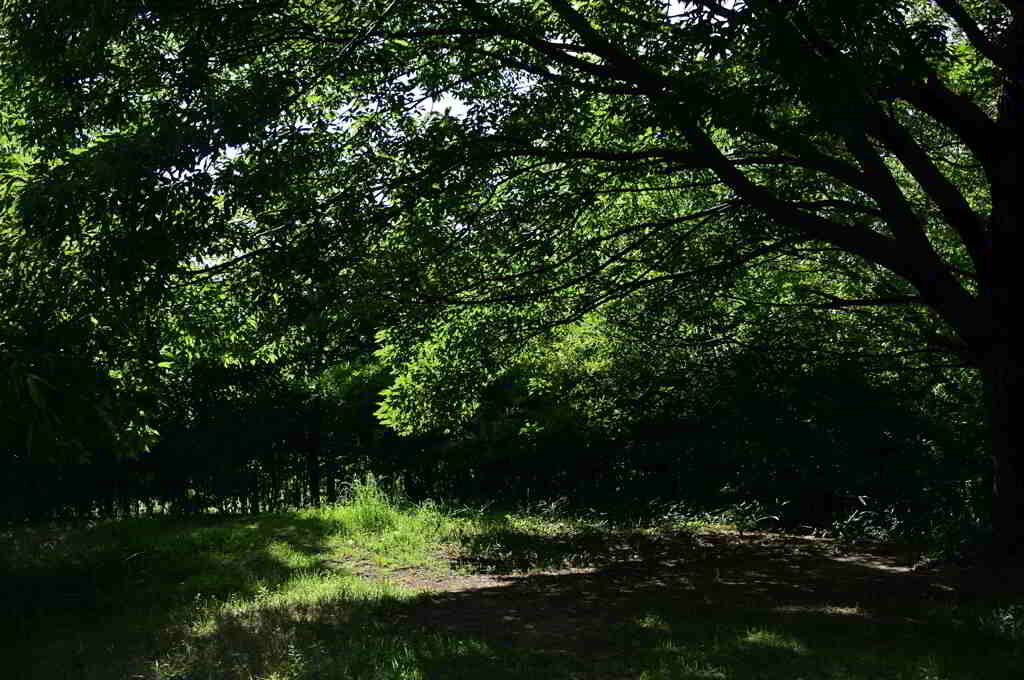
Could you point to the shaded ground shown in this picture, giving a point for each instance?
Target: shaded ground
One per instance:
(512, 598)
(763, 577)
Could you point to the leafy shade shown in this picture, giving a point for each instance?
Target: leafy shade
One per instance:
(541, 160)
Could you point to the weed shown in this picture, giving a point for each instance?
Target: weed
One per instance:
(752, 515)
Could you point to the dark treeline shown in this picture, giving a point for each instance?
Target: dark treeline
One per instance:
(799, 451)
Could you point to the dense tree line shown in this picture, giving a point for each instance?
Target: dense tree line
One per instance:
(588, 421)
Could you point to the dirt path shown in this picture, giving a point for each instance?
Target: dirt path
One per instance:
(573, 609)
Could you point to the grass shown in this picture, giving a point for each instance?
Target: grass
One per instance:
(379, 588)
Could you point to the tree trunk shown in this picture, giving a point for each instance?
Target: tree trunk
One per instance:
(1003, 290)
(1004, 385)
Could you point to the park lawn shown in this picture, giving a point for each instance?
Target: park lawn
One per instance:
(379, 588)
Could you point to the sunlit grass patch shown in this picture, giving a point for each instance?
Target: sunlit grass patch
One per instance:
(378, 523)
(836, 610)
(279, 631)
(772, 639)
(140, 584)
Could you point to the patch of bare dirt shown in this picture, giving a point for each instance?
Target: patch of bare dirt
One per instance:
(574, 609)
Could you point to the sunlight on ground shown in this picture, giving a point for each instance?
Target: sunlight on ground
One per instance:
(767, 638)
(821, 609)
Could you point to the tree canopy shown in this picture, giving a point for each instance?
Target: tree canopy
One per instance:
(480, 173)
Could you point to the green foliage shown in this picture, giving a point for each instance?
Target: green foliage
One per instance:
(58, 366)
(1006, 621)
(375, 508)
(645, 249)
(333, 186)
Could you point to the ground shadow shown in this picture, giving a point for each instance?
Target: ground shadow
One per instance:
(718, 606)
(677, 605)
(735, 607)
(504, 549)
(125, 585)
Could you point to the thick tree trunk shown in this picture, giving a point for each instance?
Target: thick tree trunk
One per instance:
(1003, 291)
(1004, 386)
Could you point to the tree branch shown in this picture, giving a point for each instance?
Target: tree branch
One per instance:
(974, 34)
(955, 111)
(955, 210)
(228, 264)
(837, 302)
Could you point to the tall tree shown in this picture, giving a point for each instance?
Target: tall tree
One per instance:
(570, 151)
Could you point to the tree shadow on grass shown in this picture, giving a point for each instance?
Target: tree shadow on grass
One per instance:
(77, 600)
(754, 607)
(727, 607)
(503, 549)
(676, 606)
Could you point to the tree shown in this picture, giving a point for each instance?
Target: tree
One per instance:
(589, 149)
(56, 357)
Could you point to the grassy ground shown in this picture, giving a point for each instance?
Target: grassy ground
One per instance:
(377, 589)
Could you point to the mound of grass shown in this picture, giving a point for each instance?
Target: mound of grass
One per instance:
(377, 523)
